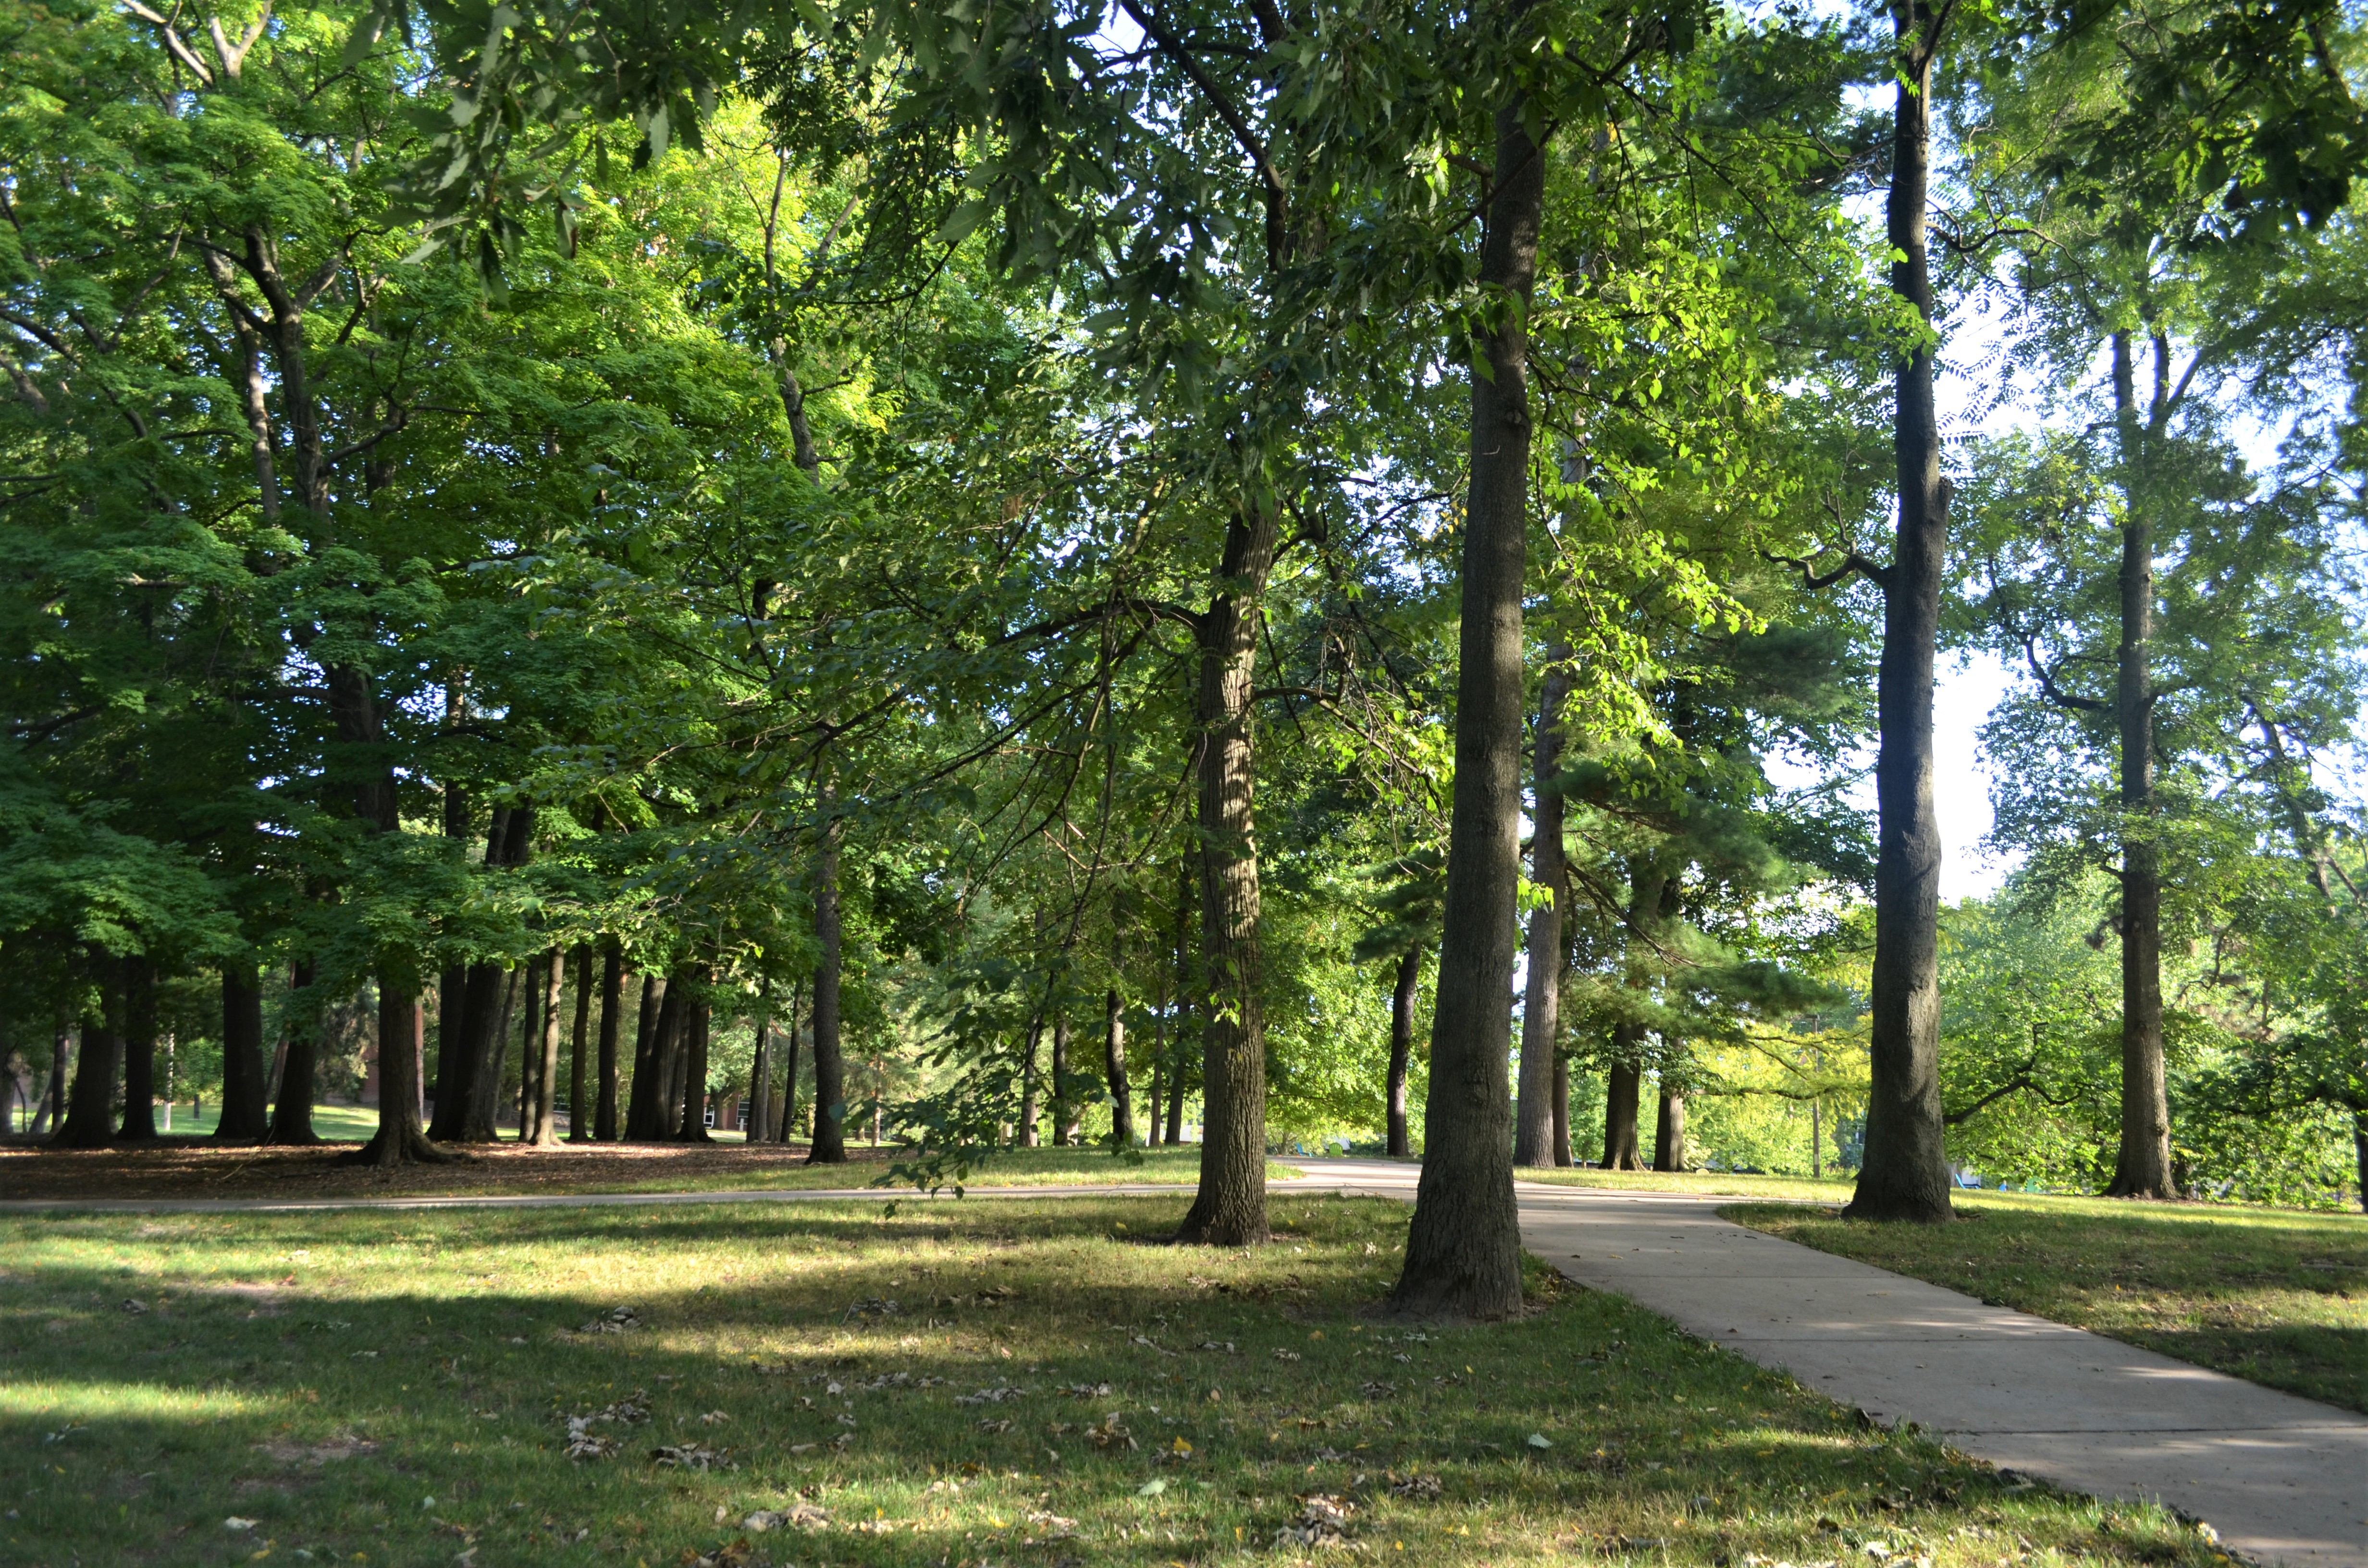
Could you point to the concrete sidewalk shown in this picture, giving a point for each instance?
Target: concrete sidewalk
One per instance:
(2282, 1479)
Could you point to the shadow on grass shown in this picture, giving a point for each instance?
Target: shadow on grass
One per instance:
(397, 1386)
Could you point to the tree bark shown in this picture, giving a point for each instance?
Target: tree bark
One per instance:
(1152, 1124)
(291, 1111)
(138, 1124)
(1031, 1110)
(790, 1077)
(2142, 1167)
(612, 1008)
(465, 1105)
(529, 1096)
(245, 1115)
(468, 1045)
(452, 984)
(1622, 1088)
(640, 1110)
(1906, 1175)
(697, 1017)
(545, 1112)
(2360, 1154)
(1064, 1126)
(49, 1114)
(1463, 1246)
(1542, 999)
(1402, 997)
(1669, 1135)
(481, 1119)
(829, 1146)
(579, 1130)
(1115, 1069)
(1562, 1112)
(1229, 1210)
(662, 1111)
(89, 1120)
(399, 1139)
(760, 1084)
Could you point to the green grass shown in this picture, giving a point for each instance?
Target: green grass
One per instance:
(2279, 1296)
(392, 1388)
(1829, 1189)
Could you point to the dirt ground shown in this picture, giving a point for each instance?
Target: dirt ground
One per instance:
(197, 1168)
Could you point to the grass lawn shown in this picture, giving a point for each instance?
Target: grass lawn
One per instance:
(177, 1168)
(1828, 1190)
(2278, 1296)
(956, 1384)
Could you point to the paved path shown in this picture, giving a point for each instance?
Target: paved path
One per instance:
(2282, 1479)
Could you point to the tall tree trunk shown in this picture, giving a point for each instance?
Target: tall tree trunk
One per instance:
(1031, 1110)
(468, 1045)
(545, 1110)
(696, 1019)
(579, 1116)
(529, 1096)
(452, 985)
(1906, 1176)
(445, 1084)
(1179, 1063)
(244, 1114)
(612, 1008)
(1064, 1126)
(1115, 1069)
(642, 1107)
(1622, 1088)
(292, 1110)
(1402, 997)
(1669, 1135)
(1179, 1053)
(829, 1146)
(2142, 1168)
(1229, 1210)
(139, 1051)
(789, 1076)
(1542, 1000)
(665, 1064)
(483, 1119)
(1463, 1247)
(402, 1023)
(465, 1105)
(2359, 1153)
(760, 1084)
(1152, 1124)
(1562, 1112)
(89, 1120)
(50, 1113)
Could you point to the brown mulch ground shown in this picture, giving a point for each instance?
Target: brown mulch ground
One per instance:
(199, 1168)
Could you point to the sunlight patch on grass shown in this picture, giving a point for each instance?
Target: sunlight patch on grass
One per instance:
(957, 1382)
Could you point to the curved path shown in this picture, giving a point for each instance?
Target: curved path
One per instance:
(2283, 1480)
